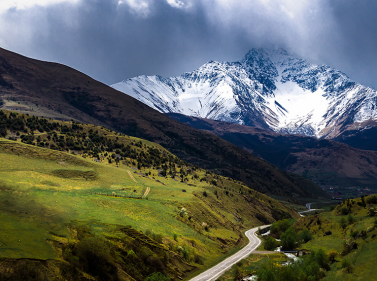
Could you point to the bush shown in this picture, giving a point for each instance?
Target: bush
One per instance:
(239, 274)
(267, 272)
(354, 234)
(343, 223)
(280, 227)
(371, 212)
(27, 271)
(345, 211)
(198, 259)
(350, 219)
(131, 253)
(288, 239)
(156, 237)
(310, 267)
(322, 259)
(157, 276)
(185, 253)
(372, 199)
(362, 234)
(270, 243)
(346, 265)
(95, 258)
(332, 255)
(305, 235)
(183, 212)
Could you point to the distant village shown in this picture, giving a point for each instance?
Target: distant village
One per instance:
(341, 193)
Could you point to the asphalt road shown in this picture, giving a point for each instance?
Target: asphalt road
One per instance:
(308, 211)
(308, 207)
(216, 271)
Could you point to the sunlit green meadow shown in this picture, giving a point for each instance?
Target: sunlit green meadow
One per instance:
(39, 197)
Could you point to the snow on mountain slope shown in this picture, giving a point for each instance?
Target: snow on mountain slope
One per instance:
(269, 88)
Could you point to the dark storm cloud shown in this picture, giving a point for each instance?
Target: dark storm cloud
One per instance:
(115, 40)
(354, 49)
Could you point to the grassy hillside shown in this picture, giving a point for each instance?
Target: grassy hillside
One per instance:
(57, 91)
(97, 189)
(336, 245)
(354, 228)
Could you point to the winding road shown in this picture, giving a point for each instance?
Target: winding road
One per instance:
(216, 271)
(308, 205)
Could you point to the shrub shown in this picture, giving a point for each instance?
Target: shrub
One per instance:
(27, 271)
(239, 274)
(345, 211)
(322, 259)
(95, 257)
(183, 212)
(157, 276)
(354, 234)
(280, 226)
(144, 253)
(372, 199)
(332, 255)
(198, 259)
(270, 243)
(362, 233)
(305, 235)
(288, 239)
(350, 219)
(267, 272)
(156, 237)
(348, 247)
(343, 223)
(310, 267)
(131, 253)
(371, 212)
(185, 253)
(346, 265)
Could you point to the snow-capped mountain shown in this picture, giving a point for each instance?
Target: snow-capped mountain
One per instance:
(269, 88)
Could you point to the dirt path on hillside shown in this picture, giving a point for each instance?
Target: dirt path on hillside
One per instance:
(131, 176)
(146, 192)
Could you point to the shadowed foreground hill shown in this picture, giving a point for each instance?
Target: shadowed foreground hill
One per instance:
(324, 161)
(57, 91)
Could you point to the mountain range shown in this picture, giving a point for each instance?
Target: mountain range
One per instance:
(270, 89)
(56, 91)
(326, 162)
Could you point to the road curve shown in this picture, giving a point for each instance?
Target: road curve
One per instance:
(308, 205)
(215, 272)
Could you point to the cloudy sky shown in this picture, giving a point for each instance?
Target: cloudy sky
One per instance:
(112, 40)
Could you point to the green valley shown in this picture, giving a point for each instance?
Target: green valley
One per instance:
(337, 245)
(82, 202)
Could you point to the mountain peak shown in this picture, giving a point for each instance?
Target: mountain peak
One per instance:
(273, 53)
(270, 88)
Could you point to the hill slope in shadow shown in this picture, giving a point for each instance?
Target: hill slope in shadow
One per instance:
(57, 91)
(326, 162)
